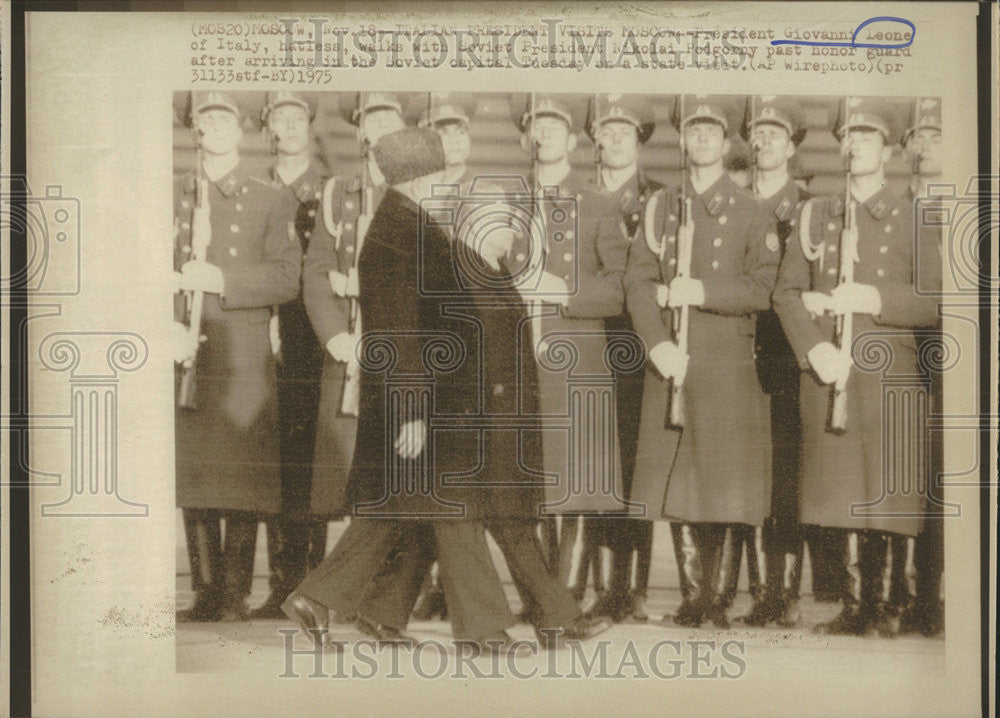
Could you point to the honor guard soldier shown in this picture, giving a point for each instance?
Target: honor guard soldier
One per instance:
(706, 266)
(329, 279)
(619, 125)
(236, 255)
(925, 612)
(569, 258)
(849, 281)
(773, 128)
(296, 538)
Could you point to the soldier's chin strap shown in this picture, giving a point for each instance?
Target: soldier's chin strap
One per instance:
(810, 251)
(333, 228)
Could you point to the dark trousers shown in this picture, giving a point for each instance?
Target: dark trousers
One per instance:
(477, 606)
(391, 597)
(221, 567)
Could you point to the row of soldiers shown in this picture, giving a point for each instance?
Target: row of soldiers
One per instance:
(717, 367)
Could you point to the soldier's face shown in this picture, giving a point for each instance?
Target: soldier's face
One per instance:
(868, 151)
(289, 124)
(552, 137)
(220, 131)
(705, 142)
(774, 146)
(619, 144)
(455, 139)
(925, 145)
(378, 123)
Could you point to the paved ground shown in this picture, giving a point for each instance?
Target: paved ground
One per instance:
(629, 648)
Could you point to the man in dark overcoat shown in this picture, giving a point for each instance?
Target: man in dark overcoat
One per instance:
(228, 462)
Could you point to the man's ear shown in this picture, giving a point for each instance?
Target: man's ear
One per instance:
(886, 154)
(571, 142)
(789, 150)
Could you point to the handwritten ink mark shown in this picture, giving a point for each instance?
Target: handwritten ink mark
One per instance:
(854, 37)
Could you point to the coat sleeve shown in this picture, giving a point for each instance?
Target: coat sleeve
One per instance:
(601, 293)
(915, 304)
(326, 312)
(642, 275)
(802, 331)
(275, 279)
(751, 291)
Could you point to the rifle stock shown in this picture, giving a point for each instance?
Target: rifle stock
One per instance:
(201, 237)
(844, 323)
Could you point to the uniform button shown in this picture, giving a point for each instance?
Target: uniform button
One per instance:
(348, 225)
(723, 219)
(880, 272)
(717, 242)
(234, 228)
(497, 389)
(520, 257)
(311, 213)
(635, 216)
(672, 217)
(239, 207)
(569, 234)
(244, 190)
(348, 204)
(715, 264)
(895, 211)
(572, 214)
(318, 195)
(831, 226)
(307, 234)
(185, 225)
(732, 200)
(671, 239)
(883, 249)
(831, 270)
(791, 222)
(349, 248)
(579, 197)
(186, 248)
(831, 248)
(232, 251)
(185, 204)
(888, 228)
(672, 262)
(566, 277)
(568, 257)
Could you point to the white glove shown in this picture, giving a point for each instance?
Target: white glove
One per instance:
(338, 283)
(669, 361)
(201, 223)
(548, 288)
(197, 275)
(685, 290)
(185, 345)
(816, 303)
(826, 361)
(855, 299)
(343, 347)
(662, 294)
(411, 440)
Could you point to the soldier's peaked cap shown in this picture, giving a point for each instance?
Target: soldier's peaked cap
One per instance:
(616, 107)
(431, 108)
(199, 101)
(525, 106)
(722, 109)
(352, 104)
(274, 100)
(770, 109)
(925, 113)
(870, 113)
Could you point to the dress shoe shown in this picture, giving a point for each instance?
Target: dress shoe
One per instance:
(268, 611)
(384, 635)
(234, 610)
(608, 604)
(764, 611)
(927, 620)
(582, 629)
(501, 644)
(637, 609)
(431, 604)
(205, 609)
(312, 618)
(688, 615)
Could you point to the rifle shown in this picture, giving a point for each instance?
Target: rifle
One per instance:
(685, 239)
(200, 239)
(595, 128)
(844, 323)
(350, 398)
(753, 150)
(539, 248)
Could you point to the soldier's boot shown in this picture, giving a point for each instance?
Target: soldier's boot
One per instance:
(827, 548)
(688, 569)
(431, 603)
(643, 534)
(203, 535)
(850, 621)
(286, 560)
(926, 614)
(703, 545)
(900, 574)
(767, 598)
(613, 601)
(590, 563)
(879, 615)
(791, 585)
(237, 564)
